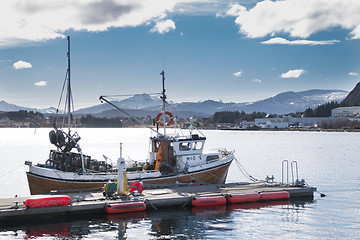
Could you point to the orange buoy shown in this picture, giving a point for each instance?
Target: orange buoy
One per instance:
(266, 196)
(208, 201)
(161, 124)
(47, 201)
(125, 207)
(241, 198)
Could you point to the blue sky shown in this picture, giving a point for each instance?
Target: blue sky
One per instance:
(210, 49)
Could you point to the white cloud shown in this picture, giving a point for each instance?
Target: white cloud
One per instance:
(40, 84)
(235, 10)
(293, 73)
(237, 74)
(21, 65)
(256, 80)
(40, 20)
(279, 40)
(353, 74)
(163, 26)
(299, 18)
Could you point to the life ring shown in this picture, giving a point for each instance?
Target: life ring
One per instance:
(161, 124)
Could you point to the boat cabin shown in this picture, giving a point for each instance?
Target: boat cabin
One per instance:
(177, 154)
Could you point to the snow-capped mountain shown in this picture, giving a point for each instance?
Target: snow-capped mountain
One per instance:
(8, 107)
(144, 104)
(138, 101)
(287, 102)
(291, 102)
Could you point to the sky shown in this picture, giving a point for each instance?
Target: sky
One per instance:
(233, 51)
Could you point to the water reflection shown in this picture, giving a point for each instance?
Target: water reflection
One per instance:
(48, 230)
(187, 223)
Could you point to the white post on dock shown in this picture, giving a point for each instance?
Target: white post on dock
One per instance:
(121, 168)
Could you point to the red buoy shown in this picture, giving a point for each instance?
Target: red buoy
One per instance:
(47, 201)
(241, 198)
(136, 186)
(125, 207)
(265, 196)
(208, 201)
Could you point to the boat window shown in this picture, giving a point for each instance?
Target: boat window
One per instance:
(212, 157)
(198, 145)
(185, 146)
(156, 146)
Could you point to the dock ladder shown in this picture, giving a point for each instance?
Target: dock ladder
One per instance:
(294, 172)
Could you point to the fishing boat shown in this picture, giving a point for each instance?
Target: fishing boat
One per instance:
(174, 158)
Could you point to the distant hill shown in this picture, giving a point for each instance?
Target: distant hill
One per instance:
(8, 107)
(145, 105)
(138, 101)
(353, 99)
(287, 102)
(291, 102)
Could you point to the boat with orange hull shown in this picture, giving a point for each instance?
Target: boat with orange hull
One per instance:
(173, 158)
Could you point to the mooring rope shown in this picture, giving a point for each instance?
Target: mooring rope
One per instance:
(147, 200)
(244, 172)
(13, 170)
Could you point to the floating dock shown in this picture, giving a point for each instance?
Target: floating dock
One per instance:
(14, 210)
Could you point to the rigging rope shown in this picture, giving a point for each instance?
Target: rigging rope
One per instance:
(168, 104)
(73, 110)
(114, 97)
(62, 91)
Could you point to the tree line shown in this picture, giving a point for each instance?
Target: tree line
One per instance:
(21, 115)
(236, 117)
(323, 110)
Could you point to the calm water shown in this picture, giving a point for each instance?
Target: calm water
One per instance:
(329, 161)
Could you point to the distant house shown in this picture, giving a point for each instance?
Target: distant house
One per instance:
(346, 112)
(5, 120)
(246, 124)
(277, 123)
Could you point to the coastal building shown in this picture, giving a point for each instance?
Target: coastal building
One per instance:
(346, 112)
(296, 121)
(279, 123)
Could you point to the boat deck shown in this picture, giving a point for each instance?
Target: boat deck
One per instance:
(94, 203)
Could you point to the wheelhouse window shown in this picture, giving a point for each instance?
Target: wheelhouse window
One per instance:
(198, 145)
(185, 146)
(155, 146)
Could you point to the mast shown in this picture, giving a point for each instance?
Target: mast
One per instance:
(69, 87)
(163, 97)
